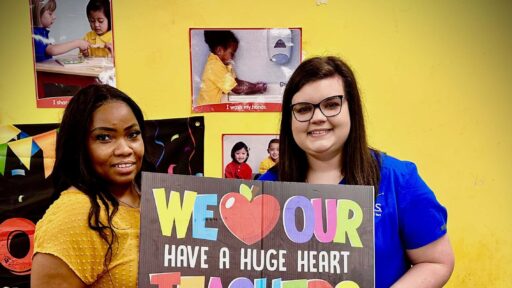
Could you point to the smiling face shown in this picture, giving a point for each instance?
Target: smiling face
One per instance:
(273, 151)
(98, 22)
(322, 137)
(115, 144)
(241, 155)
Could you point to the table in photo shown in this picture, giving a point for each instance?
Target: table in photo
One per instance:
(56, 82)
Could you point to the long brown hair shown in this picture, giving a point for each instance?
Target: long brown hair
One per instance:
(360, 163)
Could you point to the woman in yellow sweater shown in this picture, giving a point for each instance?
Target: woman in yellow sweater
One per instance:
(90, 235)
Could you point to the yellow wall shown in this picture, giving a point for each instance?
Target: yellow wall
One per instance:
(435, 77)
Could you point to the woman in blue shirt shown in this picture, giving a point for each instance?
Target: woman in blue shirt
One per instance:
(323, 141)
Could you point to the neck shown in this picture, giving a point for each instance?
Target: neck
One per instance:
(324, 171)
(128, 195)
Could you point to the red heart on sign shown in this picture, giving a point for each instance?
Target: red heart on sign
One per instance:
(249, 221)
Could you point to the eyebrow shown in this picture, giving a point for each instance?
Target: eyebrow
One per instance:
(134, 125)
(342, 95)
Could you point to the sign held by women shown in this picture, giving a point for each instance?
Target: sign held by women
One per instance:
(207, 232)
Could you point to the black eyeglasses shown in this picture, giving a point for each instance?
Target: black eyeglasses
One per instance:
(330, 107)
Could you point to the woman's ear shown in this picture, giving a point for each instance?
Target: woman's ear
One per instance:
(219, 50)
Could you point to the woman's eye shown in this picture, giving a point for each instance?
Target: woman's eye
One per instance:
(331, 105)
(303, 109)
(103, 137)
(134, 134)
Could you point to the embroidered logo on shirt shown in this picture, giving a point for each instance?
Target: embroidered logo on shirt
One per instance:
(378, 209)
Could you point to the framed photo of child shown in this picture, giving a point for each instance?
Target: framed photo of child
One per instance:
(247, 156)
(73, 47)
(242, 69)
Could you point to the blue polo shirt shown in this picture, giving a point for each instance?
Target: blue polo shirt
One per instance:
(407, 216)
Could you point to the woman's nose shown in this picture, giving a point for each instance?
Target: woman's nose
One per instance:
(317, 115)
(123, 148)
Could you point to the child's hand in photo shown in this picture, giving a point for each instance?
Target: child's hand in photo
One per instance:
(110, 48)
(83, 46)
(260, 87)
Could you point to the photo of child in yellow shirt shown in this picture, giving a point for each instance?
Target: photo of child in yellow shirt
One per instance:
(100, 36)
(273, 156)
(218, 77)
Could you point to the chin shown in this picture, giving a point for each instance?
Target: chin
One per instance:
(324, 149)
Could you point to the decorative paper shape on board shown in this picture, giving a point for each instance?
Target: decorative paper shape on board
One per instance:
(24, 197)
(23, 149)
(47, 142)
(7, 132)
(238, 211)
(3, 156)
(175, 146)
(208, 229)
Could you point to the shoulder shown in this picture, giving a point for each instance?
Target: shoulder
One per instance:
(40, 30)
(107, 37)
(247, 168)
(213, 58)
(90, 35)
(420, 216)
(267, 160)
(70, 201)
(399, 170)
(72, 204)
(214, 61)
(270, 175)
(64, 232)
(390, 163)
(401, 180)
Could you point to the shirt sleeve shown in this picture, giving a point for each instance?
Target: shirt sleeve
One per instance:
(64, 232)
(228, 171)
(40, 46)
(262, 169)
(268, 176)
(422, 218)
(221, 76)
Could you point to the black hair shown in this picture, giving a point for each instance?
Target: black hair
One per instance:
(272, 141)
(219, 38)
(72, 162)
(238, 146)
